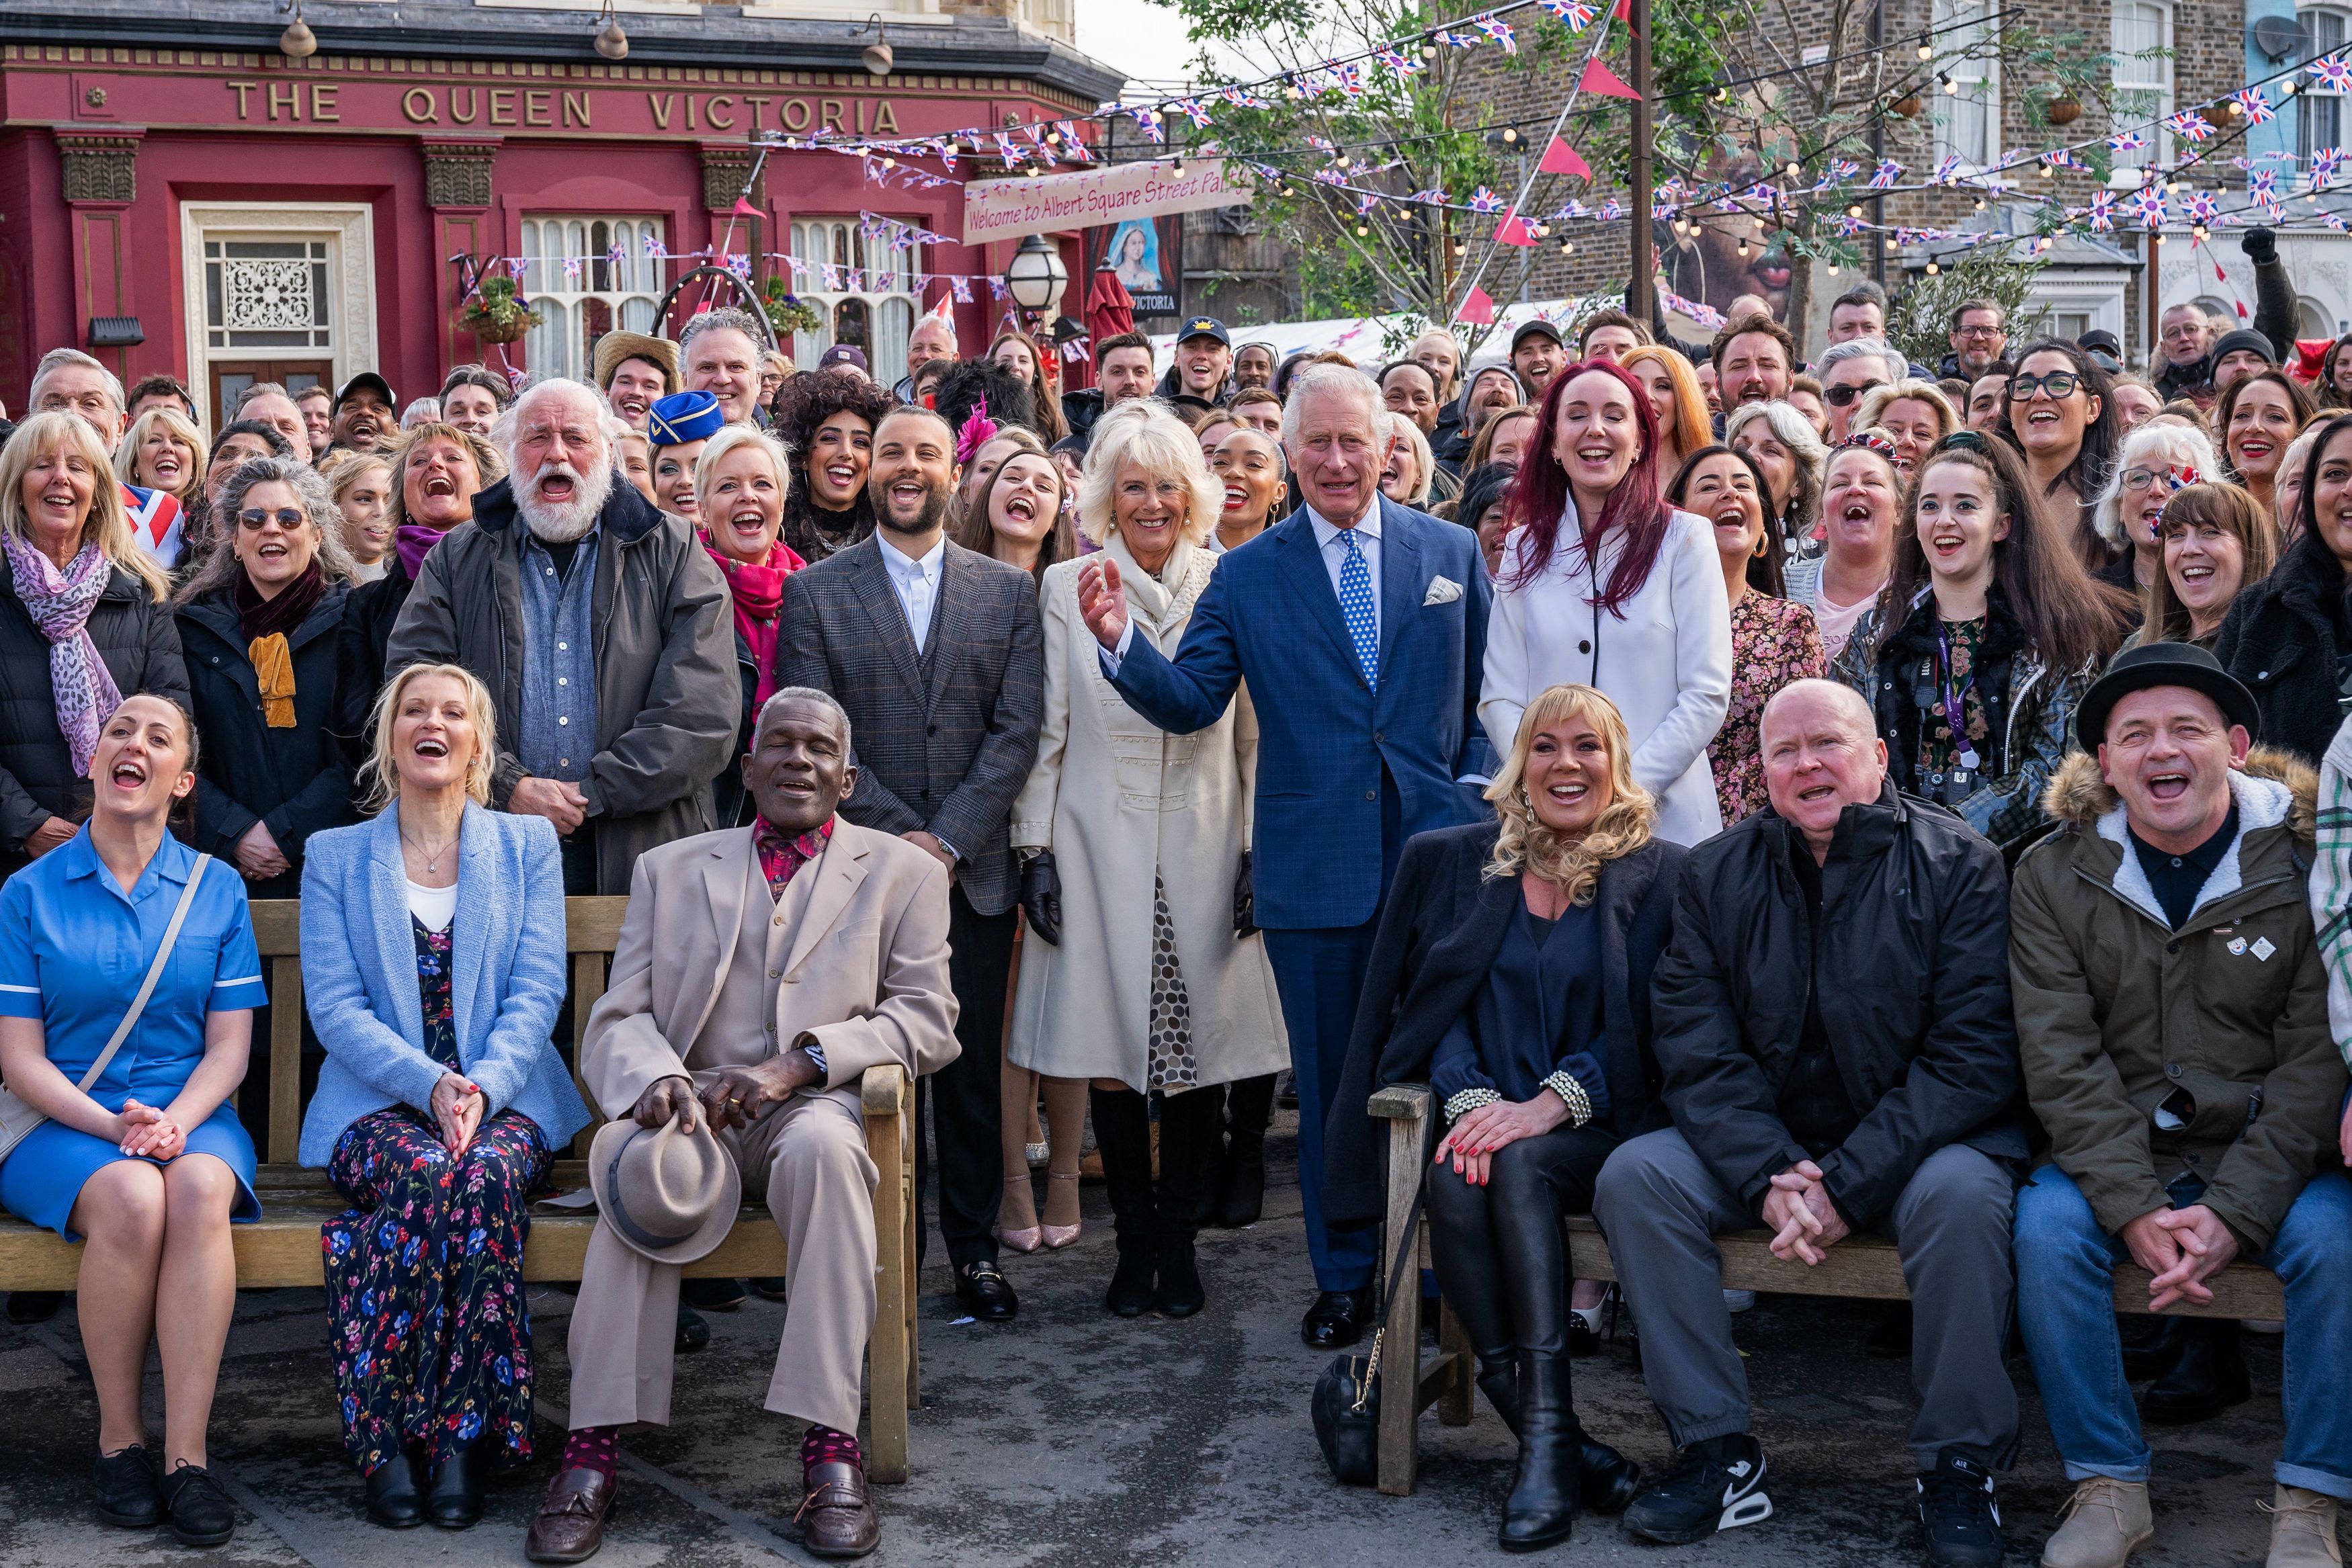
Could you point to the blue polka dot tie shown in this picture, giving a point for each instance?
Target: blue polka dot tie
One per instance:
(1356, 604)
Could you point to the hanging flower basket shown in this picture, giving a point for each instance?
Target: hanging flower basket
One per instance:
(495, 316)
(1907, 105)
(2063, 110)
(788, 313)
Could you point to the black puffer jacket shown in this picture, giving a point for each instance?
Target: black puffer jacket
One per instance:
(140, 646)
(1915, 945)
(295, 781)
(368, 612)
(2281, 640)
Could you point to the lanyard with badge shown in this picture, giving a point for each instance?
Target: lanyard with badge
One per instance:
(1952, 695)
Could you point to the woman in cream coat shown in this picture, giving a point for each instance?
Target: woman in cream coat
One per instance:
(1605, 585)
(1144, 994)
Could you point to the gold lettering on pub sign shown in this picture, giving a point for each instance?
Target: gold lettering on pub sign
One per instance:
(671, 111)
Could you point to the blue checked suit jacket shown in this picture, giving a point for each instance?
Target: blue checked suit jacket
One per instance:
(1269, 617)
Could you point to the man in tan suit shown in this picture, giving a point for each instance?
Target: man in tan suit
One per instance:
(760, 972)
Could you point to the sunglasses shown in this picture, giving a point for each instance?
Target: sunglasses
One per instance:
(257, 518)
(2057, 383)
(1840, 397)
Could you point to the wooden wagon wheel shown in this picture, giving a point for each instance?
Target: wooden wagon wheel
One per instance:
(742, 287)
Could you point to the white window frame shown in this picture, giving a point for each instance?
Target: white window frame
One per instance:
(629, 291)
(351, 229)
(891, 294)
(2309, 89)
(1961, 25)
(2146, 81)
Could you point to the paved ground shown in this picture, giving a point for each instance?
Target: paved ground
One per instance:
(1072, 1438)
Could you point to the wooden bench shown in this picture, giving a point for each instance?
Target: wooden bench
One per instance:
(282, 1248)
(1864, 1267)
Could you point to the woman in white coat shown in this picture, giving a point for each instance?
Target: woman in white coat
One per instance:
(1133, 842)
(1605, 585)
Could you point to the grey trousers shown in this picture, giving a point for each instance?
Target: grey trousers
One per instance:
(1662, 1207)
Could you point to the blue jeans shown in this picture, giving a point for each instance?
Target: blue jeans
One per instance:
(2065, 1304)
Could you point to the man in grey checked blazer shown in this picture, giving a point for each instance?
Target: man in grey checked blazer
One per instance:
(937, 654)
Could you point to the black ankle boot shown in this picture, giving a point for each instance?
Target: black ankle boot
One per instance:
(454, 1501)
(2209, 1378)
(1130, 1295)
(1180, 1292)
(1241, 1181)
(1609, 1481)
(1542, 1507)
(392, 1497)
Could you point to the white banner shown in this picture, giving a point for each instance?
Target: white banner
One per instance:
(1006, 209)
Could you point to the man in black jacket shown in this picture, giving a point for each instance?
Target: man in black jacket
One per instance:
(2274, 317)
(1832, 1025)
(937, 654)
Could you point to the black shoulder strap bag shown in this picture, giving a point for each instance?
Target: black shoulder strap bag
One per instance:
(1346, 1403)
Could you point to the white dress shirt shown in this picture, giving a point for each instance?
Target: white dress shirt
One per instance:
(1334, 561)
(916, 584)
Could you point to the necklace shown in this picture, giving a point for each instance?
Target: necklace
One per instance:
(433, 860)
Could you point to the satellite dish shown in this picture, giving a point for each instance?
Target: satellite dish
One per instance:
(2278, 37)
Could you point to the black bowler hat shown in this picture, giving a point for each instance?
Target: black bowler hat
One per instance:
(2163, 665)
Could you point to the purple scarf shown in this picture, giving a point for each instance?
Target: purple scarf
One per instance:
(60, 605)
(414, 541)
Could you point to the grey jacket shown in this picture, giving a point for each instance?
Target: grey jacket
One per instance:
(667, 695)
(946, 755)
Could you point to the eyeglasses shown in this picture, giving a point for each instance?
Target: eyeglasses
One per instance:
(2173, 478)
(257, 518)
(1839, 397)
(1977, 331)
(2057, 383)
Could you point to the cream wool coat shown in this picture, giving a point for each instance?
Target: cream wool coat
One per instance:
(1114, 798)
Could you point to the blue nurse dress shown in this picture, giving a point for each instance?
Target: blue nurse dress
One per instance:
(73, 951)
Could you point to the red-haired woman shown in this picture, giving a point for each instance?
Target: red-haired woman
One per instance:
(1604, 584)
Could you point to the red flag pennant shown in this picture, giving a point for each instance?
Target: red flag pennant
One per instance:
(1600, 79)
(1514, 230)
(1625, 11)
(1478, 309)
(1559, 158)
(745, 209)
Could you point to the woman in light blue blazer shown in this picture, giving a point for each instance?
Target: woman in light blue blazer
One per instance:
(433, 959)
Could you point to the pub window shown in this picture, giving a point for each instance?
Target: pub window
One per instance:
(2319, 111)
(870, 298)
(587, 276)
(267, 294)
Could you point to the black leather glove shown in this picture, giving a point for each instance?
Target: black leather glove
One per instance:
(1244, 901)
(2260, 245)
(1040, 897)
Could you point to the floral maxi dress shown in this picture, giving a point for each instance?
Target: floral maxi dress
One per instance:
(424, 1288)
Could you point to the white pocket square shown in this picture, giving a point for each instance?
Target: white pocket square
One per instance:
(1441, 590)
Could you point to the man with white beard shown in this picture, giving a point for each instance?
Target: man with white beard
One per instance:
(601, 628)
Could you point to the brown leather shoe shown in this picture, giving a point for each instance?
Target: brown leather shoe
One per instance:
(837, 1518)
(569, 1524)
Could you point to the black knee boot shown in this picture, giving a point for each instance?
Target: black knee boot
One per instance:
(1123, 1135)
(1541, 1510)
(1241, 1172)
(1188, 1164)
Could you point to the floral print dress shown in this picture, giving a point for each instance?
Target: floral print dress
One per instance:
(1774, 642)
(425, 1289)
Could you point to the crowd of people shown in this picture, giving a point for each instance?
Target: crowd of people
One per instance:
(1862, 796)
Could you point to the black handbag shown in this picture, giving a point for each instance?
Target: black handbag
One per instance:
(1346, 1408)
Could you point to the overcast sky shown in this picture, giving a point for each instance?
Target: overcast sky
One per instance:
(1144, 40)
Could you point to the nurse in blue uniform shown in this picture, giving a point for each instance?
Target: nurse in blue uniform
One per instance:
(150, 1167)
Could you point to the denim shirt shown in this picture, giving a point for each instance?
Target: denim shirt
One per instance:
(559, 662)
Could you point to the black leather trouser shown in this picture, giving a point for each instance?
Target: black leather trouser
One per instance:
(1500, 1251)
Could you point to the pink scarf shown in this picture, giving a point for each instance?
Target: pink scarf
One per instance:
(414, 541)
(759, 597)
(60, 604)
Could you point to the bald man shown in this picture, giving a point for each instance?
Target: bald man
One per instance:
(1907, 1126)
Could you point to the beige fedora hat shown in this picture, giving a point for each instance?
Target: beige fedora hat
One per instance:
(614, 347)
(669, 1195)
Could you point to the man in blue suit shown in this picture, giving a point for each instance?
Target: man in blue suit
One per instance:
(1360, 626)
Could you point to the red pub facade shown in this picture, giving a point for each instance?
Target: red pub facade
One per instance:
(178, 194)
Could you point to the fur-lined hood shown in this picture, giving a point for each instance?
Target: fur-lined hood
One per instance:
(2077, 796)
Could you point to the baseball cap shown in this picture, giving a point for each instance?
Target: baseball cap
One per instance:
(1529, 328)
(371, 382)
(842, 354)
(1205, 326)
